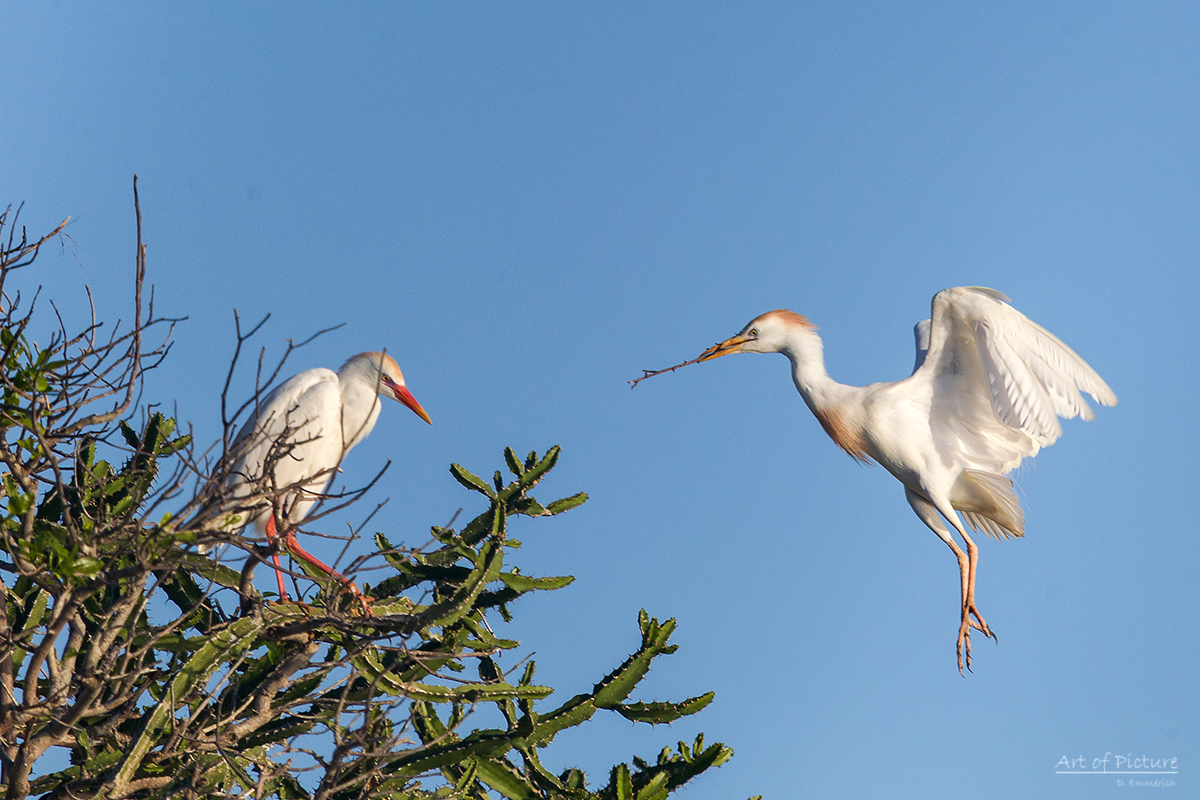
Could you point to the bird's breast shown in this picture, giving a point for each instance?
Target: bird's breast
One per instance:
(896, 433)
(844, 433)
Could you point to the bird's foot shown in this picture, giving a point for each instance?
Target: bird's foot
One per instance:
(978, 623)
(364, 602)
(964, 643)
(964, 633)
(287, 601)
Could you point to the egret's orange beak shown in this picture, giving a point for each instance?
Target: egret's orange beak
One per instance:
(731, 345)
(405, 396)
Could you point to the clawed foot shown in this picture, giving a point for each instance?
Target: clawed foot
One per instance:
(964, 633)
(343, 586)
(979, 625)
(362, 599)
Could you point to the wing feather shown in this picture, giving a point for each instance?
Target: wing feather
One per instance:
(297, 429)
(1001, 381)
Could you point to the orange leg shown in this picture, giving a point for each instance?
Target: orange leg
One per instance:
(931, 514)
(294, 549)
(964, 628)
(967, 563)
(283, 595)
(969, 599)
(271, 537)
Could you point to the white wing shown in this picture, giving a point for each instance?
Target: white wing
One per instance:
(298, 431)
(1000, 381)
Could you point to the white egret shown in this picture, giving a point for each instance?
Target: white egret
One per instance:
(291, 447)
(987, 390)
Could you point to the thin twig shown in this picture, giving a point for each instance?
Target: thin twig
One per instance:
(651, 373)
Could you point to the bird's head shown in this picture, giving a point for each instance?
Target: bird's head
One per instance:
(768, 333)
(382, 370)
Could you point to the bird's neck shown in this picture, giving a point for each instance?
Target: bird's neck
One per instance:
(835, 405)
(360, 407)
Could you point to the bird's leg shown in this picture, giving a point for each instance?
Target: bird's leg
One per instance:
(964, 627)
(969, 595)
(294, 548)
(928, 513)
(272, 537)
(283, 595)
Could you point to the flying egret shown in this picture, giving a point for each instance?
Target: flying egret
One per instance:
(987, 390)
(289, 450)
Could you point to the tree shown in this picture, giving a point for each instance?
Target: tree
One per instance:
(163, 672)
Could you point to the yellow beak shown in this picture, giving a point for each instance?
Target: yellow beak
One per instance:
(731, 345)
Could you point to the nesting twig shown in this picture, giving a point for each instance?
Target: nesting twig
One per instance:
(650, 373)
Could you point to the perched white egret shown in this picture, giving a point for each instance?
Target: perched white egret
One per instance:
(298, 436)
(987, 390)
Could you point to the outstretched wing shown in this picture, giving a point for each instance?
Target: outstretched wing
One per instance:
(297, 434)
(1000, 381)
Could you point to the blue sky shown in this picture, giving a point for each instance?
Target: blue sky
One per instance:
(529, 204)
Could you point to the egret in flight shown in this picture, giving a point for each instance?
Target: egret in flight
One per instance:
(291, 447)
(987, 390)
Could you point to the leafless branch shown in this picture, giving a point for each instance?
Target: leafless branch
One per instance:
(647, 373)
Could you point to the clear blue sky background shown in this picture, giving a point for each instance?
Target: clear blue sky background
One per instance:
(528, 204)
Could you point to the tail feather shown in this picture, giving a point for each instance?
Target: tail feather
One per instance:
(988, 504)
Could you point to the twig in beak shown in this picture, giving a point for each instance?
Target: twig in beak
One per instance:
(651, 373)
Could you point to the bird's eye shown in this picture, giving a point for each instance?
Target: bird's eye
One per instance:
(753, 332)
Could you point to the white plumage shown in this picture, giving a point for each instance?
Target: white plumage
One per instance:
(291, 447)
(987, 390)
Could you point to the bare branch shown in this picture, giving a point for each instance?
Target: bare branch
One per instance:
(647, 373)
